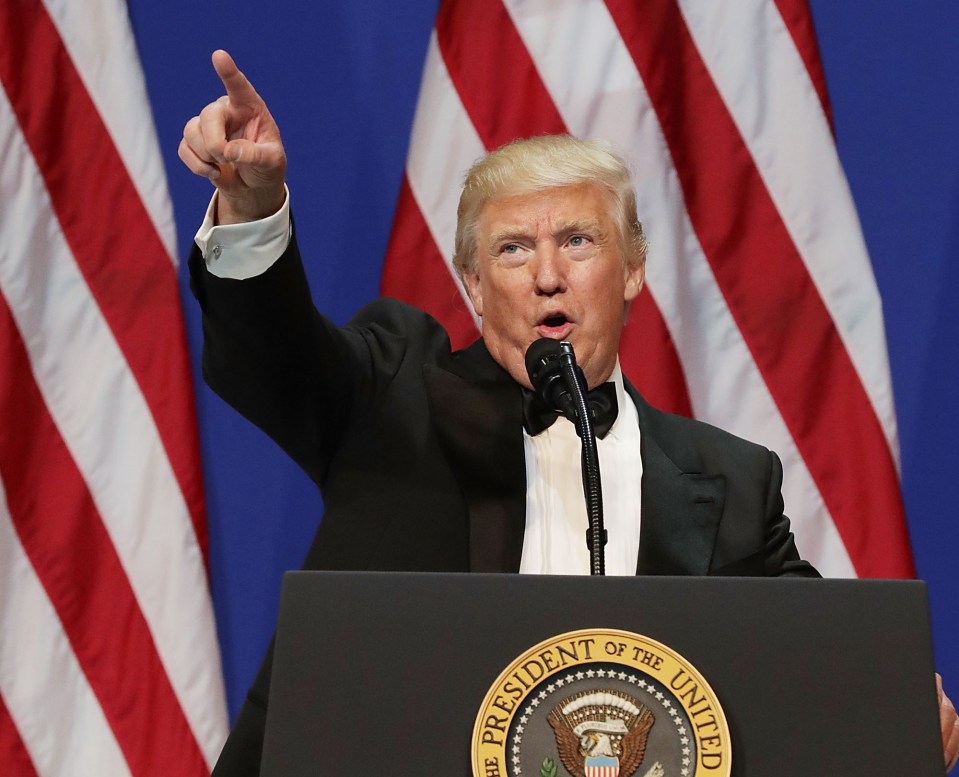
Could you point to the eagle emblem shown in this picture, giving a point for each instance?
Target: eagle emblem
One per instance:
(602, 733)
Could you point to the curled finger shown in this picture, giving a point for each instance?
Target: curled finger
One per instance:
(212, 126)
(193, 137)
(195, 164)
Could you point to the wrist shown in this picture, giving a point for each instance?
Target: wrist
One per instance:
(251, 205)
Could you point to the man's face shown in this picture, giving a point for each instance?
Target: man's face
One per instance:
(549, 265)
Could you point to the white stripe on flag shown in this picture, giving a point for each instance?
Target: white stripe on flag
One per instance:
(443, 146)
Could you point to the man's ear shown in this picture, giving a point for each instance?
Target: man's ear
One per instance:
(635, 278)
(474, 291)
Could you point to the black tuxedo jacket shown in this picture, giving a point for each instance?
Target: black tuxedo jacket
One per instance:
(418, 451)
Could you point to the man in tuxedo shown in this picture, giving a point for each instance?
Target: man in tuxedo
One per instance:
(430, 459)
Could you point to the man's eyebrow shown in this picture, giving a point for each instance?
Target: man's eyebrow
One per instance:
(589, 226)
(509, 233)
(592, 225)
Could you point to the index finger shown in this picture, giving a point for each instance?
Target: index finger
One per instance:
(238, 87)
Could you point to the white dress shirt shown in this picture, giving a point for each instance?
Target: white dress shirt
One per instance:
(556, 519)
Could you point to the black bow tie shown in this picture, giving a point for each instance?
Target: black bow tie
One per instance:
(538, 416)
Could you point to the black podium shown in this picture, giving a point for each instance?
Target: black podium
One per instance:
(384, 673)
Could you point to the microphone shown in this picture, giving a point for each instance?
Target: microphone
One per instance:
(560, 382)
(545, 370)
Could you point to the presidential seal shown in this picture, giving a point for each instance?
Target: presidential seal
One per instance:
(600, 703)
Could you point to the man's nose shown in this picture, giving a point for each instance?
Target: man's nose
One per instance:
(548, 271)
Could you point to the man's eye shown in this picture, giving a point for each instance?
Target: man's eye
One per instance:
(577, 241)
(512, 248)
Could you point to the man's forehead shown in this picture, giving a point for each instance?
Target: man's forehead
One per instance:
(556, 206)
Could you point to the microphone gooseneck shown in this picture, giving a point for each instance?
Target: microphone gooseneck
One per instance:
(552, 369)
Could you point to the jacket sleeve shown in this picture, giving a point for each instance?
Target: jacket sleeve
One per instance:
(279, 362)
(781, 557)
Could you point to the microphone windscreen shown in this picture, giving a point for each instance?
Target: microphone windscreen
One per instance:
(542, 359)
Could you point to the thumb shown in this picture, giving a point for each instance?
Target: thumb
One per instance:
(248, 153)
(242, 151)
(258, 165)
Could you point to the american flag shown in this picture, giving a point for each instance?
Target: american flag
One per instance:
(761, 313)
(109, 663)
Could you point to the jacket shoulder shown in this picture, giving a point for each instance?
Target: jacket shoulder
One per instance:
(389, 327)
(696, 445)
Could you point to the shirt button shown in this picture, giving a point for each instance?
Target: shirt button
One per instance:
(217, 250)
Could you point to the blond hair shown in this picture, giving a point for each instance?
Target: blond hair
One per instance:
(546, 162)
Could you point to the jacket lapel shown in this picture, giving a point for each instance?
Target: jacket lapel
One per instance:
(477, 411)
(681, 507)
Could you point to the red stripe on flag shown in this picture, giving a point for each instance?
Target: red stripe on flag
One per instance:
(765, 283)
(648, 356)
(506, 99)
(502, 93)
(13, 755)
(416, 273)
(74, 558)
(108, 230)
(798, 20)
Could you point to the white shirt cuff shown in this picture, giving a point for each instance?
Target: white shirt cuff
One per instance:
(241, 251)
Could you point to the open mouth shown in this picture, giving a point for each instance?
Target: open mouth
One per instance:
(555, 325)
(555, 320)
